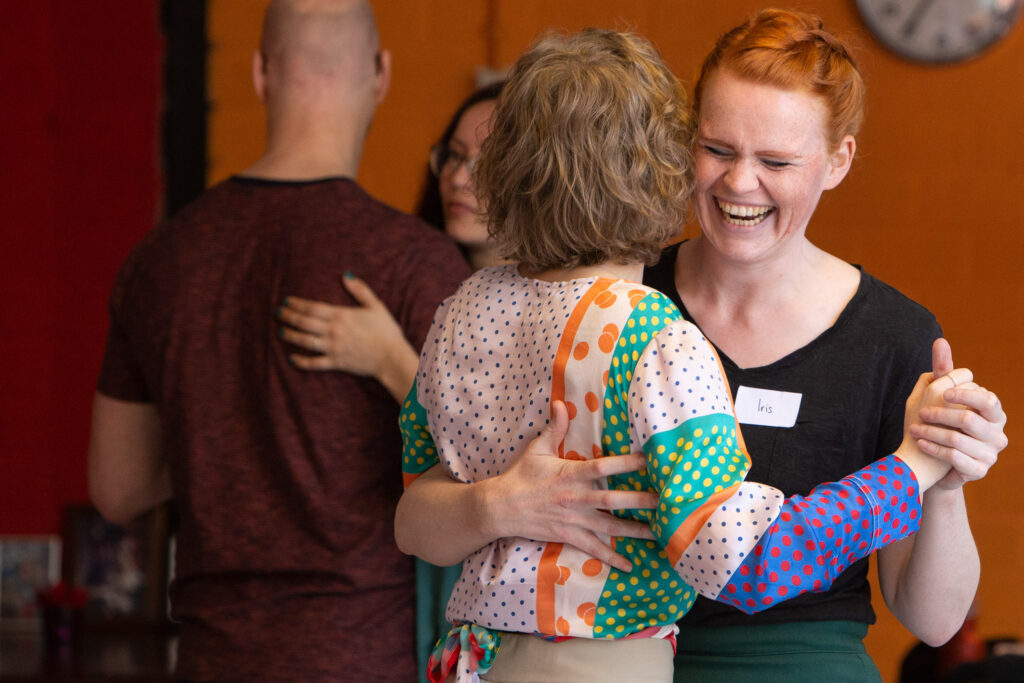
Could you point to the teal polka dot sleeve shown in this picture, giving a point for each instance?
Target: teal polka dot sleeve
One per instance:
(419, 453)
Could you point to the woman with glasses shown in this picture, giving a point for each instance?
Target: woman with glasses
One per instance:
(449, 200)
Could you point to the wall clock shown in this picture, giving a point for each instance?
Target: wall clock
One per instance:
(939, 31)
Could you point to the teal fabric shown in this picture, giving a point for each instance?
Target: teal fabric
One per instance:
(419, 453)
(433, 587)
(799, 652)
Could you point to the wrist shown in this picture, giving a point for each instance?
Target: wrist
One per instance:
(398, 369)
(484, 495)
(938, 498)
(391, 354)
(928, 470)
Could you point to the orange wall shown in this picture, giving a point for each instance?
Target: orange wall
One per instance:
(926, 207)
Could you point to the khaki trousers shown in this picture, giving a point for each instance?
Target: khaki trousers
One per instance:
(527, 659)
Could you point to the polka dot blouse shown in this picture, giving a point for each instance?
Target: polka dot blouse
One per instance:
(635, 377)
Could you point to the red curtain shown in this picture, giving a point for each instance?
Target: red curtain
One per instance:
(79, 185)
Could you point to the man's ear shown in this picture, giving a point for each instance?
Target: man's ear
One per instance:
(841, 160)
(383, 76)
(259, 75)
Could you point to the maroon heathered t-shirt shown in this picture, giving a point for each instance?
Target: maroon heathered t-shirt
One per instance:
(285, 480)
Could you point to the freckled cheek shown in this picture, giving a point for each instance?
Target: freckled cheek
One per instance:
(796, 211)
(705, 171)
(707, 180)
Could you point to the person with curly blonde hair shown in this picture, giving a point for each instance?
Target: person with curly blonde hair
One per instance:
(585, 175)
(594, 143)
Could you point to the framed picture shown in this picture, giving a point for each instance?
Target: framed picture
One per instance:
(27, 564)
(122, 568)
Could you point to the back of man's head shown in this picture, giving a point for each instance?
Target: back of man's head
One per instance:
(318, 51)
(320, 73)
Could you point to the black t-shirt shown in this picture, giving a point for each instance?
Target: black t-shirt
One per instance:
(854, 380)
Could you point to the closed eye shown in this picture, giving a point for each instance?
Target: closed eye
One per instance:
(715, 151)
(772, 163)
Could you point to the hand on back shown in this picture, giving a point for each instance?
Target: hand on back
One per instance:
(356, 339)
(547, 498)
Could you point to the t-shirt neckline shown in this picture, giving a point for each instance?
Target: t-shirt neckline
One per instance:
(849, 310)
(275, 182)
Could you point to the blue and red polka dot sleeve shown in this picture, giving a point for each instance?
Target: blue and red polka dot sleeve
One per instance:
(815, 537)
(735, 541)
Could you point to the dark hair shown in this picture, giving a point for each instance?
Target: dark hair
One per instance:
(429, 207)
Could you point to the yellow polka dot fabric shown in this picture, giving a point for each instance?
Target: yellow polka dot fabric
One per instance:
(418, 451)
(634, 376)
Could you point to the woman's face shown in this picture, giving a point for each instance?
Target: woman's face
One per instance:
(462, 217)
(762, 162)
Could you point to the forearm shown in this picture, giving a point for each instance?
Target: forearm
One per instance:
(127, 471)
(121, 504)
(441, 520)
(541, 497)
(929, 580)
(398, 368)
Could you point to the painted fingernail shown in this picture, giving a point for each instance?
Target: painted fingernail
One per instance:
(280, 332)
(277, 311)
(284, 301)
(348, 275)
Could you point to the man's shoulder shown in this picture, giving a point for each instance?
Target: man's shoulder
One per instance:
(397, 223)
(212, 197)
(409, 243)
(329, 204)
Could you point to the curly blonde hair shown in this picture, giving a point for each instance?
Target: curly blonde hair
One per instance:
(588, 160)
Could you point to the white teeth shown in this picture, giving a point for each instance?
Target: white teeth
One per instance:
(743, 215)
(744, 211)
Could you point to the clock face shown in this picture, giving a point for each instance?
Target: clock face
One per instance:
(939, 31)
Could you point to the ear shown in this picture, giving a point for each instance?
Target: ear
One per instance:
(383, 77)
(840, 161)
(259, 75)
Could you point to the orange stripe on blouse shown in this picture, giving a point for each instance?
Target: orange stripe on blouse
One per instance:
(567, 343)
(548, 572)
(687, 531)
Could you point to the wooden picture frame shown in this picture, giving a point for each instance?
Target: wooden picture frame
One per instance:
(124, 569)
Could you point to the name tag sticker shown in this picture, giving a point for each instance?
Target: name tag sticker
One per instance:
(767, 408)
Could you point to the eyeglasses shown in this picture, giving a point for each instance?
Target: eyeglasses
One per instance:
(444, 160)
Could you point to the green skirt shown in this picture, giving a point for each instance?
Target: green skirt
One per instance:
(801, 652)
(433, 588)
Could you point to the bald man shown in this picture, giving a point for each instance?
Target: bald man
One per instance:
(285, 482)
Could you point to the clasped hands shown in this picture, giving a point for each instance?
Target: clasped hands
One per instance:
(967, 432)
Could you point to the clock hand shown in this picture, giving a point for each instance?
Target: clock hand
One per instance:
(910, 26)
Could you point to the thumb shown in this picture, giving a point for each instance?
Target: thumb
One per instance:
(559, 425)
(361, 291)
(551, 437)
(942, 357)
